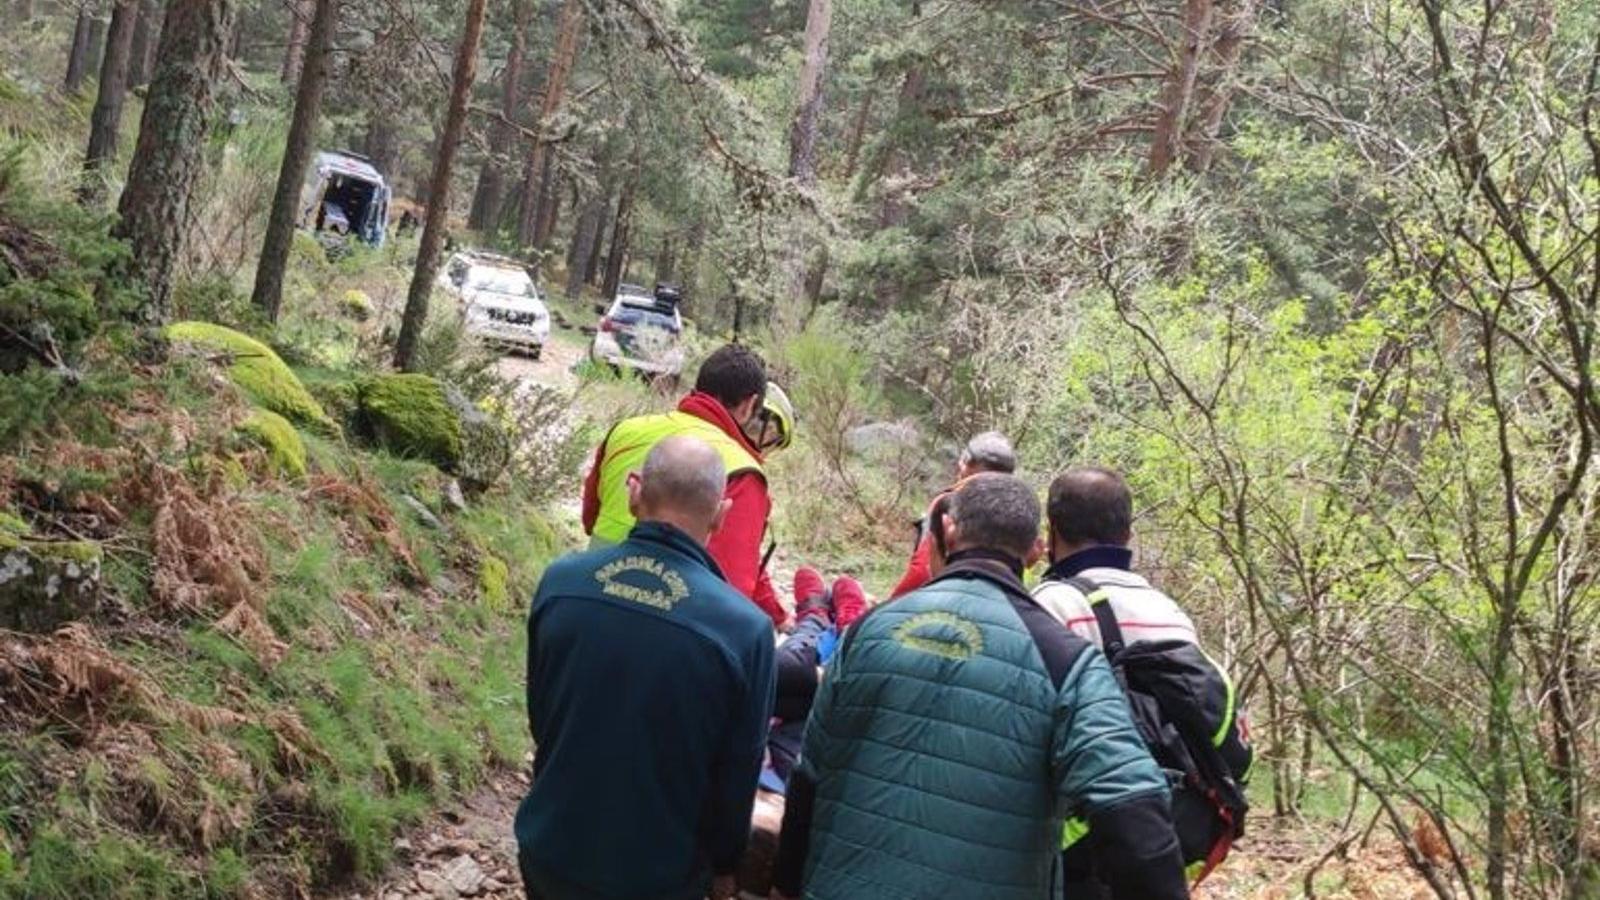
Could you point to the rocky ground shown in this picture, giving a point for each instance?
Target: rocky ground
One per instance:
(467, 852)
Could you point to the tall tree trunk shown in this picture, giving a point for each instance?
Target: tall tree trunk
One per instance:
(893, 210)
(585, 242)
(382, 144)
(78, 53)
(142, 55)
(1177, 92)
(555, 88)
(487, 199)
(172, 136)
(803, 152)
(858, 133)
(97, 42)
(591, 263)
(106, 121)
(619, 236)
(1217, 91)
(294, 50)
(268, 292)
(466, 70)
(666, 261)
(803, 130)
(549, 199)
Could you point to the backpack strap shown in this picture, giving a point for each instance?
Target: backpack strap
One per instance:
(1100, 604)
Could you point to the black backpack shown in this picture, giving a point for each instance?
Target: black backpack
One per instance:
(1185, 708)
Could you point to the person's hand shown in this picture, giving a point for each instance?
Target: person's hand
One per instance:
(724, 887)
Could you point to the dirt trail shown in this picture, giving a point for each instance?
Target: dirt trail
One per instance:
(467, 851)
(553, 367)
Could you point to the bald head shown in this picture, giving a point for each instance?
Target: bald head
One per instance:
(681, 483)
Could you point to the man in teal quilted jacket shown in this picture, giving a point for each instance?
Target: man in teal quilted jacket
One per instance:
(956, 729)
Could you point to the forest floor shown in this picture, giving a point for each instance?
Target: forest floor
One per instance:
(469, 852)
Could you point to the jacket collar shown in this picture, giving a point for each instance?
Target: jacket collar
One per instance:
(1104, 556)
(660, 535)
(995, 568)
(704, 406)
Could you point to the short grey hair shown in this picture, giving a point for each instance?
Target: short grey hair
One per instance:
(996, 512)
(990, 451)
(684, 475)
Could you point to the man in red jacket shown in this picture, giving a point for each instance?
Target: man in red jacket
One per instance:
(727, 410)
(987, 452)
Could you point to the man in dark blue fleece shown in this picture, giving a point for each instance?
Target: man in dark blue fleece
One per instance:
(650, 685)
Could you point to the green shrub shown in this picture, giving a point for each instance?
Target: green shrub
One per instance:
(277, 436)
(258, 372)
(492, 578)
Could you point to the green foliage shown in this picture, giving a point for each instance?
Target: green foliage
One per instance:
(59, 866)
(277, 436)
(258, 372)
(492, 575)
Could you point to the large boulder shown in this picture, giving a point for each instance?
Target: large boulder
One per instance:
(882, 439)
(276, 435)
(257, 371)
(421, 416)
(44, 584)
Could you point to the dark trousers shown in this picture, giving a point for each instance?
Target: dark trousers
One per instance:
(796, 664)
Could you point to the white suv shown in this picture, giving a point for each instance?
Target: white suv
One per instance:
(499, 301)
(640, 331)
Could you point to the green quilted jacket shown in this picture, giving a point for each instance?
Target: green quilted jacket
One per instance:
(953, 733)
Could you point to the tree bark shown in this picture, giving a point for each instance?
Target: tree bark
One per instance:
(1217, 92)
(294, 50)
(547, 204)
(803, 130)
(555, 89)
(106, 120)
(1177, 92)
(466, 70)
(97, 42)
(142, 56)
(168, 158)
(268, 292)
(619, 236)
(488, 198)
(382, 145)
(78, 53)
(585, 241)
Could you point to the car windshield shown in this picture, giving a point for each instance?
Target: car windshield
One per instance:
(501, 281)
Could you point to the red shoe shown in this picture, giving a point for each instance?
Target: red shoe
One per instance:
(849, 601)
(810, 594)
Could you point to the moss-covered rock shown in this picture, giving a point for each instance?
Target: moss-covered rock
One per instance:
(418, 415)
(259, 372)
(46, 583)
(356, 304)
(277, 436)
(494, 583)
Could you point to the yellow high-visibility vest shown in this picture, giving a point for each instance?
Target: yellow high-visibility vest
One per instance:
(629, 443)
